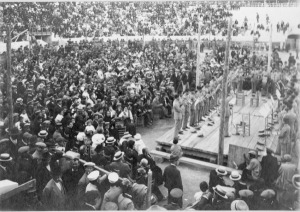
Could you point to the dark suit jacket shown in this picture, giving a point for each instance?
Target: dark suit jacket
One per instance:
(214, 180)
(269, 167)
(53, 198)
(172, 177)
(175, 80)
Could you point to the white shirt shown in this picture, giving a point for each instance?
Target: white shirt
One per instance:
(59, 186)
(139, 146)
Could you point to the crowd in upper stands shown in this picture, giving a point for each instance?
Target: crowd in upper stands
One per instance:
(85, 100)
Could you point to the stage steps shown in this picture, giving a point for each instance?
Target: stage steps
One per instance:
(161, 156)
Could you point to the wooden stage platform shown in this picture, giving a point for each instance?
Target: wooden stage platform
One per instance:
(207, 147)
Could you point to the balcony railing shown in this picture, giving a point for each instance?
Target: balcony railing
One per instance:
(40, 31)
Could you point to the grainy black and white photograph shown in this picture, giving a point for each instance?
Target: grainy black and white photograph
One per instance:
(149, 105)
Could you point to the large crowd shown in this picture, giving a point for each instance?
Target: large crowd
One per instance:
(77, 107)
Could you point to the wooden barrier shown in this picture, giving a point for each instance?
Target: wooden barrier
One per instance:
(26, 186)
(190, 161)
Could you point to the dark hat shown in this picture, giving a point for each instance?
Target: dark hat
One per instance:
(173, 158)
(13, 131)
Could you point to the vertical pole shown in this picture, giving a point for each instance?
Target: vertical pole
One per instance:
(149, 192)
(270, 50)
(198, 56)
(224, 94)
(8, 77)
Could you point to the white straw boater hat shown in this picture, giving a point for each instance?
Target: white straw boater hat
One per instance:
(221, 171)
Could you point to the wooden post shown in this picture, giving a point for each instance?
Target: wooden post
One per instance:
(198, 57)
(270, 50)
(224, 94)
(8, 77)
(149, 192)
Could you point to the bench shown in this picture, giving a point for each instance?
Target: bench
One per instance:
(160, 156)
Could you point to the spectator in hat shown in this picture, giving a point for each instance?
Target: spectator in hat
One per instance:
(41, 148)
(125, 202)
(110, 148)
(176, 199)
(172, 177)
(138, 193)
(216, 177)
(286, 172)
(119, 166)
(238, 183)
(54, 194)
(220, 199)
(15, 142)
(71, 177)
(284, 138)
(239, 205)
(42, 173)
(92, 194)
(58, 132)
(267, 200)
(6, 167)
(253, 168)
(269, 168)
(83, 181)
(24, 165)
(247, 196)
(114, 191)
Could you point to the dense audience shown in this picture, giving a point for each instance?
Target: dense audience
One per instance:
(94, 19)
(77, 108)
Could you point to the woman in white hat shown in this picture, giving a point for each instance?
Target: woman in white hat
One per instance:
(238, 183)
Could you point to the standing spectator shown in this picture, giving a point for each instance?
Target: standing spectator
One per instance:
(284, 140)
(177, 116)
(114, 191)
(119, 167)
(54, 194)
(172, 177)
(269, 168)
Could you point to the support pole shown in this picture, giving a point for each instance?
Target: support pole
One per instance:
(224, 94)
(8, 77)
(198, 56)
(270, 50)
(149, 190)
